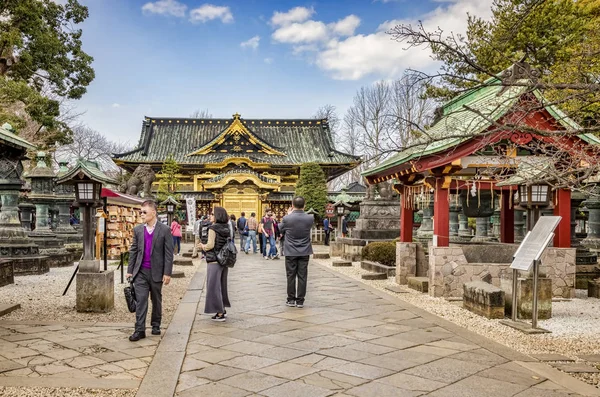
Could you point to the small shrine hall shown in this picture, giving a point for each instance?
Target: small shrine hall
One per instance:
(475, 152)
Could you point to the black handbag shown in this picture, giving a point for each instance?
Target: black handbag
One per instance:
(130, 296)
(210, 256)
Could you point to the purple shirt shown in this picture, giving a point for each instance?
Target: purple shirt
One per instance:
(147, 249)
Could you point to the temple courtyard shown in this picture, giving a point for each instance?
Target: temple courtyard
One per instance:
(350, 339)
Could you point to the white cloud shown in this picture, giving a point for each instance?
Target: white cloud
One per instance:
(165, 7)
(297, 14)
(268, 61)
(360, 55)
(208, 12)
(306, 32)
(116, 105)
(251, 43)
(346, 26)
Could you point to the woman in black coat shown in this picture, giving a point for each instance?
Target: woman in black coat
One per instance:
(216, 275)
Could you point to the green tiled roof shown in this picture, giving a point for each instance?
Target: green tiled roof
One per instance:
(90, 169)
(463, 117)
(13, 139)
(301, 140)
(469, 115)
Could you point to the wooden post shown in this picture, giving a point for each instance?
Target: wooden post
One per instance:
(507, 220)
(562, 208)
(441, 214)
(406, 220)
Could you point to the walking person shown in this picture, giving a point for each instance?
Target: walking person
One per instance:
(176, 232)
(216, 275)
(241, 227)
(327, 229)
(252, 226)
(269, 235)
(344, 226)
(150, 265)
(233, 226)
(296, 226)
(196, 233)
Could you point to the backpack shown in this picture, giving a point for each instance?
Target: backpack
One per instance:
(227, 255)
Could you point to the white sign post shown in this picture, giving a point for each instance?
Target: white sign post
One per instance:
(191, 213)
(529, 253)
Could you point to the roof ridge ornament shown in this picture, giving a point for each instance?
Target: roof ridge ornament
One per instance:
(519, 71)
(237, 116)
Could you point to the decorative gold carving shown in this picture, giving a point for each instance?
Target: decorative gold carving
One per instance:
(237, 148)
(241, 178)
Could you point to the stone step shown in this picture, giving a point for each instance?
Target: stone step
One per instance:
(182, 261)
(397, 289)
(177, 274)
(341, 263)
(377, 267)
(374, 276)
(187, 254)
(420, 284)
(321, 255)
(7, 308)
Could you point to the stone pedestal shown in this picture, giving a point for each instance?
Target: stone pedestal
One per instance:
(336, 248)
(519, 225)
(454, 222)
(378, 220)
(525, 297)
(352, 248)
(592, 241)
(425, 232)
(481, 230)
(95, 291)
(6, 273)
(464, 234)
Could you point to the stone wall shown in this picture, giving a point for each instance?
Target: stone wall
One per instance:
(410, 261)
(6, 273)
(449, 269)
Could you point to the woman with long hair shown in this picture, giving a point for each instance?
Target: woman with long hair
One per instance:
(216, 275)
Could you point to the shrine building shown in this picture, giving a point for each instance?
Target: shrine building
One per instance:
(494, 151)
(244, 165)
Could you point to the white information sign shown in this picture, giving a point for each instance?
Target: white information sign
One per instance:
(535, 243)
(191, 212)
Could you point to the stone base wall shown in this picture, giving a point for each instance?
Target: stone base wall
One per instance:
(30, 265)
(336, 248)
(352, 248)
(484, 299)
(525, 297)
(6, 273)
(449, 269)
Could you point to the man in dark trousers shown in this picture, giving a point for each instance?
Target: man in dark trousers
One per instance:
(150, 265)
(241, 227)
(327, 230)
(297, 246)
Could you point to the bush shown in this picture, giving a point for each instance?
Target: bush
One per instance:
(383, 252)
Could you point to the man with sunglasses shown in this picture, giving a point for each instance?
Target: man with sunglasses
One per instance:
(150, 265)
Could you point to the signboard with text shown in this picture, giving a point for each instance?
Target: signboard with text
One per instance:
(535, 243)
(329, 210)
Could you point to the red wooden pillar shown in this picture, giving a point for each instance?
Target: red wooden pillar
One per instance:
(406, 220)
(441, 214)
(562, 207)
(507, 219)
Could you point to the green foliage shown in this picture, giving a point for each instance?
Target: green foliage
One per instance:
(382, 252)
(41, 61)
(169, 179)
(312, 185)
(560, 38)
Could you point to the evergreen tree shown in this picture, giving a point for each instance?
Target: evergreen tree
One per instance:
(312, 185)
(169, 179)
(41, 64)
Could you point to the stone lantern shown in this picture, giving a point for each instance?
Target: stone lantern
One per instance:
(42, 196)
(64, 196)
(95, 288)
(171, 204)
(15, 245)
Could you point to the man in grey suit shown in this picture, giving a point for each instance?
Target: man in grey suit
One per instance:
(150, 265)
(295, 226)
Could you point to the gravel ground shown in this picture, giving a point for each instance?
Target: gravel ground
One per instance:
(574, 324)
(41, 297)
(45, 392)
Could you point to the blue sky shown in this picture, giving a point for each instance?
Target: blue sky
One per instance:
(263, 59)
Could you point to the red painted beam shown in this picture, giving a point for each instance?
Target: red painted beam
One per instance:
(562, 208)
(441, 214)
(406, 222)
(507, 220)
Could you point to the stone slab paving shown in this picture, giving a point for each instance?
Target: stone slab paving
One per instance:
(348, 340)
(72, 355)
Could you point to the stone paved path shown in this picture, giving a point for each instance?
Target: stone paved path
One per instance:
(72, 355)
(347, 340)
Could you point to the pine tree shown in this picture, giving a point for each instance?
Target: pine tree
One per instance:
(312, 185)
(169, 179)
